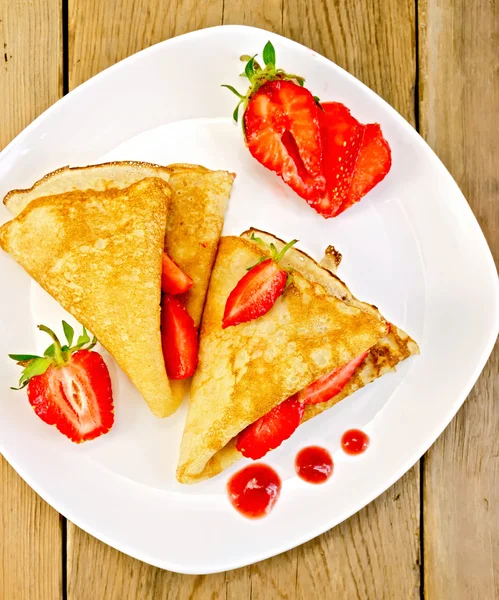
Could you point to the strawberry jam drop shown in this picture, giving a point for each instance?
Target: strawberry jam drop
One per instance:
(254, 490)
(314, 464)
(354, 441)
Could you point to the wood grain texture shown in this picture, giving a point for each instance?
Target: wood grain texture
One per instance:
(30, 62)
(31, 542)
(373, 40)
(102, 33)
(375, 554)
(30, 81)
(459, 113)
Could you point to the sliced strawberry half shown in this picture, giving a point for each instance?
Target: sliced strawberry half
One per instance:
(281, 123)
(70, 387)
(179, 339)
(373, 164)
(356, 158)
(256, 293)
(328, 386)
(268, 432)
(173, 279)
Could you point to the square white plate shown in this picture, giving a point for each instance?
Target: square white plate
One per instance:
(412, 247)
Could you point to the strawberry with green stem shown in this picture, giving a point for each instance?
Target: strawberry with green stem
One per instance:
(281, 124)
(258, 290)
(319, 149)
(69, 386)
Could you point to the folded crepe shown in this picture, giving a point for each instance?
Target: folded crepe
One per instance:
(315, 327)
(383, 357)
(102, 262)
(194, 224)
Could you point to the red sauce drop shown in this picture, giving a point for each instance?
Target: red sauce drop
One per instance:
(314, 464)
(354, 441)
(254, 490)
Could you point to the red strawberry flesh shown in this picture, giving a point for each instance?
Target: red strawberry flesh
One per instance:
(255, 293)
(356, 158)
(374, 162)
(179, 339)
(282, 132)
(268, 432)
(76, 398)
(173, 279)
(328, 386)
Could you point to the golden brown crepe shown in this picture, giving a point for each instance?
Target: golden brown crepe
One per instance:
(194, 224)
(102, 262)
(247, 370)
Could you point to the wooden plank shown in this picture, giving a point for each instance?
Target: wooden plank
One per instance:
(376, 552)
(102, 33)
(98, 571)
(30, 63)
(459, 107)
(30, 81)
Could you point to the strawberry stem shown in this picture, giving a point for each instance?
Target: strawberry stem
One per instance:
(275, 255)
(281, 254)
(59, 357)
(258, 75)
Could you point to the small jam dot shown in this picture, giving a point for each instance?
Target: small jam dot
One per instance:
(354, 441)
(314, 464)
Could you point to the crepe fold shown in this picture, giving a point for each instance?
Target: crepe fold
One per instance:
(195, 219)
(102, 262)
(247, 370)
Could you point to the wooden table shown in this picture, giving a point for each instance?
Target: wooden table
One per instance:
(434, 534)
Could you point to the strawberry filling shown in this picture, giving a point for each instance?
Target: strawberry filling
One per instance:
(268, 432)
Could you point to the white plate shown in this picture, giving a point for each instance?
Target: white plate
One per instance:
(412, 247)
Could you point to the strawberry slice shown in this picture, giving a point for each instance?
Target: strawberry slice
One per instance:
(268, 432)
(356, 158)
(281, 123)
(374, 162)
(327, 386)
(70, 387)
(179, 339)
(256, 293)
(173, 279)
(342, 138)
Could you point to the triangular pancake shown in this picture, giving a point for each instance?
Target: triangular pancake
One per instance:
(385, 355)
(102, 262)
(195, 218)
(247, 370)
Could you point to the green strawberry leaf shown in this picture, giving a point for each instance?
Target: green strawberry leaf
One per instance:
(68, 332)
(269, 54)
(50, 351)
(233, 90)
(260, 260)
(235, 114)
(249, 70)
(318, 102)
(83, 339)
(258, 240)
(23, 357)
(285, 248)
(37, 366)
